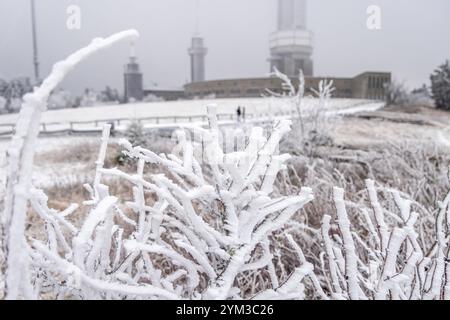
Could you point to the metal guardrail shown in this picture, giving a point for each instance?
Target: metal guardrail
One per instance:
(93, 125)
(73, 127)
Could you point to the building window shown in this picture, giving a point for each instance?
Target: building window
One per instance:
(253, 91)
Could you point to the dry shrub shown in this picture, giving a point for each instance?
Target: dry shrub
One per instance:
(418, 170)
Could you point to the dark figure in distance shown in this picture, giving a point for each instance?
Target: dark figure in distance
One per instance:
(113, 129)
(239, 113)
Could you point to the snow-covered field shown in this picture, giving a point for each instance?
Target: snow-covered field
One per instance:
(188, 108)
(179, 113)
(259, 108)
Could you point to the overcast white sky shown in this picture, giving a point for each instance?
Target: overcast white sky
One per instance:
(414, 39)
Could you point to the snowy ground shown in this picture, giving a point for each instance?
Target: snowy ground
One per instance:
(262, 109)
(352, 131)
(255, 108)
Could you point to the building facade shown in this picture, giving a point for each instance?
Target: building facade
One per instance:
(368, 85)
(165, 94)
(291, 48)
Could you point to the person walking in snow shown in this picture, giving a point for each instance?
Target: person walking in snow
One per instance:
(113, 129)
(239, 113)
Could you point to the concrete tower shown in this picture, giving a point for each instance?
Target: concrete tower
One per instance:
(197, 51)
(291, 46)
(133, 79)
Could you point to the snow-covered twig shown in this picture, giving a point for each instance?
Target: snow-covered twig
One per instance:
(20, 158)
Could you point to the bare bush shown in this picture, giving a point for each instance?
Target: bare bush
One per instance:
(311, 126)
(200, 233)
(398, 95)
(380, 250)
(206, 237)
(232, 228)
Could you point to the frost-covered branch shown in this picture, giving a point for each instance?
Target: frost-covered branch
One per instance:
(212, 224)
(20, 158)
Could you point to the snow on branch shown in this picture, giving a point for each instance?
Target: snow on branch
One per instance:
(194, 240)
(20, 158)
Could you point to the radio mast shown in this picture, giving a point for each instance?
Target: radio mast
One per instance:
(35, 46)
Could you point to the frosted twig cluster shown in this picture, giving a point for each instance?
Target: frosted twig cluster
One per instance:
(182, 234)
(294, 93)
(311, 124)
(211, 228)
(388, 258)
(20, 159)
(192, 239)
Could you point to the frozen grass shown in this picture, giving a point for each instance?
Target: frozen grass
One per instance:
(416, 168)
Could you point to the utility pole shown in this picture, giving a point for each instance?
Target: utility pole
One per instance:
(196, 17)
(37, 77)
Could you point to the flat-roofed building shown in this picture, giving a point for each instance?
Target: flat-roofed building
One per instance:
(368, 85)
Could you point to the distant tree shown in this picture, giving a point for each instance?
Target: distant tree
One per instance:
(423, 90)
(440, 86)
(396, 94)
(422, 96)
(109, 95)
(2, 104)
(60, 99)
(3, 86)
(13, 91)
(135, 133)
(89, 98)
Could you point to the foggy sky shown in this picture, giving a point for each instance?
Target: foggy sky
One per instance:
(414, 39)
